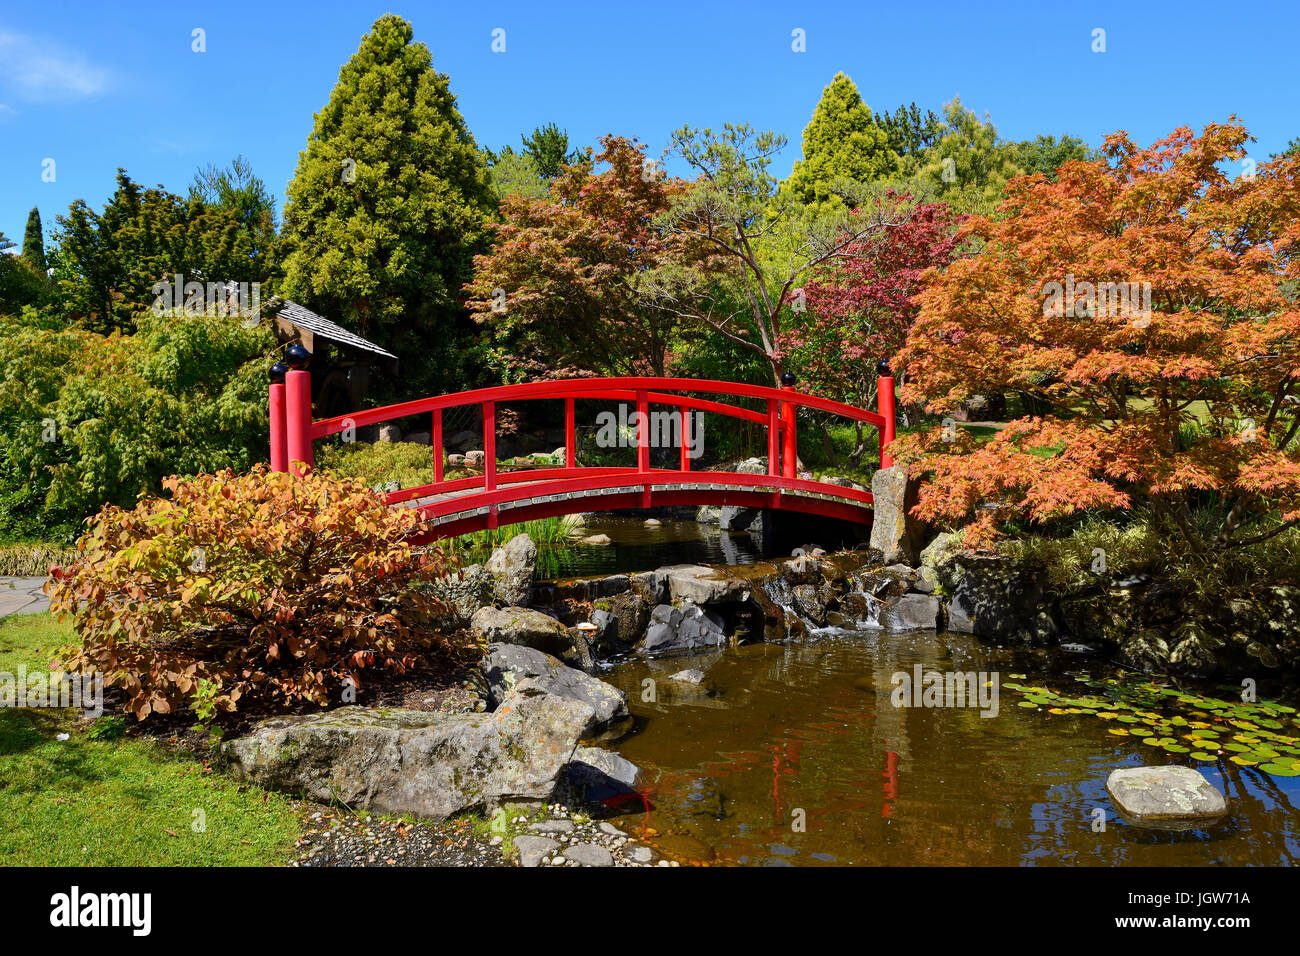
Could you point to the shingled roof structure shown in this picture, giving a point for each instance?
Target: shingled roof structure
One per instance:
(302, 317)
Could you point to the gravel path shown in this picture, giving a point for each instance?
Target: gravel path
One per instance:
(554, 837)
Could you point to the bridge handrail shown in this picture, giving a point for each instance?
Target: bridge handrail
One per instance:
(597, 388)
(293, 431)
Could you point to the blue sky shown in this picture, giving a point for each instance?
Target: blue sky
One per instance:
(94, 86)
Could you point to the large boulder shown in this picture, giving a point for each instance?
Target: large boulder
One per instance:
(508, 665)
(598, 775)
(684, 628)
(911, 612)
(996, 598)
(894, 532)
(702, 585)
(464, 592)
(512, 566)
(427, 764)
(524, 626)
(737, 518)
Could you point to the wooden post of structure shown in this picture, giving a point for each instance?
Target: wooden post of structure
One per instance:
(297, 395)
(885, 406)
(279, 426)
(790, 454)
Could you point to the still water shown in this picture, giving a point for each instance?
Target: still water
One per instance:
(793, 754)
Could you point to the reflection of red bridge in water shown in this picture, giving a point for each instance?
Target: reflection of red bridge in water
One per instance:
(497, 497)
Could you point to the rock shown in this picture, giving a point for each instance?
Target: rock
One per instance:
(588, 854)
(650, 585)
(641, 854)
(623, 622)
(464, 439)
(553, 826)
(596, 539)
(652, 523)
(455, 461)
(812, 602)
(420, 438)
(894, 532)
(752, 466)
(708, 514)
(702, 585)
(474, 458)
(600, 774)
(996, 598)
(524, 626)
(682, 629)
(561, 454)
(390, 433)
(911, 612)
(803, 569)
(533, 849)
(691, 676)
(937, 564)
(609, 829)
(427, 764)
(465, 592)
(1167, 797)
(735, 518)
(608, 704)
(512, 565)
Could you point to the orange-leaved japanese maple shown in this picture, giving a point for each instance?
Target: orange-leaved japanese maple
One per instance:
(1144, 306)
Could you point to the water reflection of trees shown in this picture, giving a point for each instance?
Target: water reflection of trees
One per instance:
(810, 725)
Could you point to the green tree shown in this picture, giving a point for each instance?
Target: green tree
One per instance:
(34, 241)
(970, 165)
(842, 147)
(237, 190)
(1047, 154)
(516, 174)
(549, 148)
(911, 131)
(389, 204)
(20, 283)
(107, 263)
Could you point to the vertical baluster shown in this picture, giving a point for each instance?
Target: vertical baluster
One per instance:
(773, 438)
(685, 414)
(490, 456)
(643, 442)
(570, 436)
(436, 441)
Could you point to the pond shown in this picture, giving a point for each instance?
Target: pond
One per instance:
(797, 756)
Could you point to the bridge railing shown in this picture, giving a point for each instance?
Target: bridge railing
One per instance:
(293, 431)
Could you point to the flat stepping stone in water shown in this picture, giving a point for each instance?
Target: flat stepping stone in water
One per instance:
(553, 826)
(1170, 798)
(533, 848)
(691, 676)
(588, 854)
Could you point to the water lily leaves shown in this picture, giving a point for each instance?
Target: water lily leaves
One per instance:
(1202, 755)
(1243, 761)
(1108, 715)
(1117, 731)
(1028, 703)
(1127, 719)
(1281, 770)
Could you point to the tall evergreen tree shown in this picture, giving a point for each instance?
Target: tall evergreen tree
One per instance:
(34, 241)
(842, 146)
(549, 149)
(389, 204)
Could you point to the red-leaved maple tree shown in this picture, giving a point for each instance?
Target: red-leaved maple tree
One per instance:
(1146, 302)
(859, 308)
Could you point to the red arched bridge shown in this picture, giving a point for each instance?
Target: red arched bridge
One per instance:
(458, 505)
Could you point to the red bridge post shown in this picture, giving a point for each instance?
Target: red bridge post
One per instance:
(490, 456)
(885, 406)
(790, 453)
(298, 407)
(279, 437)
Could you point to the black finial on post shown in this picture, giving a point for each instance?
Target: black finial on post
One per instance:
(278, 371)
(788, 379)
(882, 369)
(297, 357)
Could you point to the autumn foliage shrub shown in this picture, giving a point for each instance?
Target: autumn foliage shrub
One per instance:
(257, 587)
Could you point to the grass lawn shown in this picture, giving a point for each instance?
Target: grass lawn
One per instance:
(124, 802)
